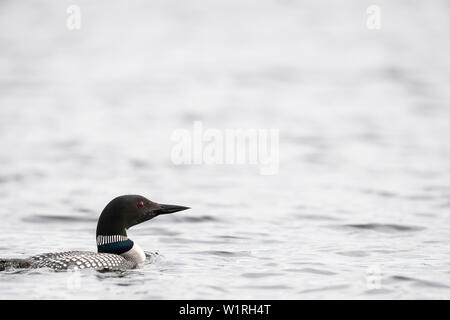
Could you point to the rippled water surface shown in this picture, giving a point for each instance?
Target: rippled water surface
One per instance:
(360, 206)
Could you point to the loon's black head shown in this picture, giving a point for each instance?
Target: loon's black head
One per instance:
(126, 211)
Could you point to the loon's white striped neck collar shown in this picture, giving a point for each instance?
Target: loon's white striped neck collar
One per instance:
(102, 240)
(121, 245)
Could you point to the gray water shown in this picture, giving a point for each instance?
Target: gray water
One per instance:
(360, 205)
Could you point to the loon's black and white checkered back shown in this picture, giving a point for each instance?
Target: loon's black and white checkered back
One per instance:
(80, 260)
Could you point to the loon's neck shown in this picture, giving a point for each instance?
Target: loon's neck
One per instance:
(120, 245)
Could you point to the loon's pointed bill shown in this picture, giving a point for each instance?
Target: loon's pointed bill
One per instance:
(169, 208)
(115, 250)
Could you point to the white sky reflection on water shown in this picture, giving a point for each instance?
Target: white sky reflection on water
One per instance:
(364, 175)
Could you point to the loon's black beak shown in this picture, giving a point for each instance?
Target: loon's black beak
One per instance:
(168, 208)
(156, 211)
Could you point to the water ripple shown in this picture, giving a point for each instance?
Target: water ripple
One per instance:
(380, 227)
(41, 218)
(419, 282)
(193, 219)
(317, 271)
(255, 275)
(225, 253)
(326, 288)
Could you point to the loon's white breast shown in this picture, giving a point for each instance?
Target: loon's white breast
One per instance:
(135, 254)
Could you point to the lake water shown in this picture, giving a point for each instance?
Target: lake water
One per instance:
(360, 205)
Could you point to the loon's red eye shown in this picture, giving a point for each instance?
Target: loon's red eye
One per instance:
(141, 204)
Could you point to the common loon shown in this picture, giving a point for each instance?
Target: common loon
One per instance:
(115, 250)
